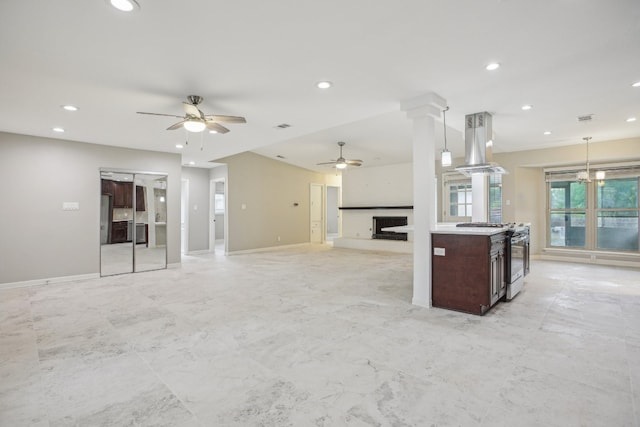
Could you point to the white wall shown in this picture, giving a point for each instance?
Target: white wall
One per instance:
(198, 208)
(390, 185)
(38, 239)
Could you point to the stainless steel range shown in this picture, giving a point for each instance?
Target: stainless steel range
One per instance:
(517, 258)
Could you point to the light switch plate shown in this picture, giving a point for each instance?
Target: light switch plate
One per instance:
(70, 206)
(438, 251)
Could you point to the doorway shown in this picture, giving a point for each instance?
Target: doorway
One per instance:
(184, 217)
(316, 214)
(333, 213)
(218, 204)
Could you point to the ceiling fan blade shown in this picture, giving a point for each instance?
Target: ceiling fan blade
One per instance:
(226, 119)
(176, 126)
(218, 128)
(327, 163)
(158, 114)
(354, 162)
(192, 110)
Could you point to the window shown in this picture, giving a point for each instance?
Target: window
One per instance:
(457, 198)
(567, 202)
(596, 215)
(617, 214)
(219, 203)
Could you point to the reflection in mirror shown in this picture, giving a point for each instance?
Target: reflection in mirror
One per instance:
(116, 219)
(151, 222)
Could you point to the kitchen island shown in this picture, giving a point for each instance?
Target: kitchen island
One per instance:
(468, 267)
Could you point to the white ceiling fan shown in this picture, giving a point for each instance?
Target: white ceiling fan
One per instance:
(341, 162)
(195, 120)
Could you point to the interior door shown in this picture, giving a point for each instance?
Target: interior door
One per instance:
(316, 213)
(116, 251)
(150, 231)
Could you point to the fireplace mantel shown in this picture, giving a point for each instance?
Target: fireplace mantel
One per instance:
(374, 207)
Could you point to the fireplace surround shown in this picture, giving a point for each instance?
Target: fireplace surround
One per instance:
(380, 222)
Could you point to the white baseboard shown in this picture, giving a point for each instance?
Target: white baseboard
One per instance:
(49, 281)
(399, 246)
(268, 249)
(421, 303)
(199, 252)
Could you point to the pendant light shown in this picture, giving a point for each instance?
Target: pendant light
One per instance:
(445, 157)
(583, 176)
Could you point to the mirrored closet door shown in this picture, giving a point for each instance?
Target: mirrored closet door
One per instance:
(133, 222)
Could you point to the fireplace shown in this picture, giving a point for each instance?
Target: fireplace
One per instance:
(380, 222)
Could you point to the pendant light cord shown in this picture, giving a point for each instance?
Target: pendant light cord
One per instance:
(444, 121)
(587, 138)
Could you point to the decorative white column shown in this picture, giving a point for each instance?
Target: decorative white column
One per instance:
(479, 198)
(422, 110)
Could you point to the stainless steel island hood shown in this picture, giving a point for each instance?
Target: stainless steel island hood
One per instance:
(478, 143)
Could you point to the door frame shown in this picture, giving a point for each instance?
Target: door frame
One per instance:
(212, 212)
(323, 219)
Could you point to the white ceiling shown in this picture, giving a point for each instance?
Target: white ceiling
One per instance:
(261, 60)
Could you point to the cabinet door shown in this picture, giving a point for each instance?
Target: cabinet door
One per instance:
(122, 194)
(495, 278)
(107, 187)
(140, 206)
(119, 232)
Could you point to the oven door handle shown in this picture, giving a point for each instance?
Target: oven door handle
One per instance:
(518, 239)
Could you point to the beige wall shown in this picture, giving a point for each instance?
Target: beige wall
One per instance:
(268, 189)
(38, 240)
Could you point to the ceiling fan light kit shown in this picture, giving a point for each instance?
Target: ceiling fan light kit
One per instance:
(194, 125)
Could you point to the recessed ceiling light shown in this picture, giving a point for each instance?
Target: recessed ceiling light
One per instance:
(324, 85)
(213, 131)
(58, 129)
(70, 108)
(124, 5)
(527, 107)
(547, 132)
(636, 84)
(192, 163)
(179, 146)
(492, 66)
(631, 119)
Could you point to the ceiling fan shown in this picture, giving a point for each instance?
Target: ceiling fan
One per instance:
(195, 120)
(341, 162)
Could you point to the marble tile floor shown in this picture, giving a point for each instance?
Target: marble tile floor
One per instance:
(318, 336)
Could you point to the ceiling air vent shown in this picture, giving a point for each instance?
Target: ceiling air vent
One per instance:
(586, 118)
(282, 126)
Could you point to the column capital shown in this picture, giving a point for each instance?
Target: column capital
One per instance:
(429, 104)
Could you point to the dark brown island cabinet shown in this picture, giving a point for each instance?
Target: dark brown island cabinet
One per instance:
(468, 271)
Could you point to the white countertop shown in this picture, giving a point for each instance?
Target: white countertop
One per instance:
(450, 228)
